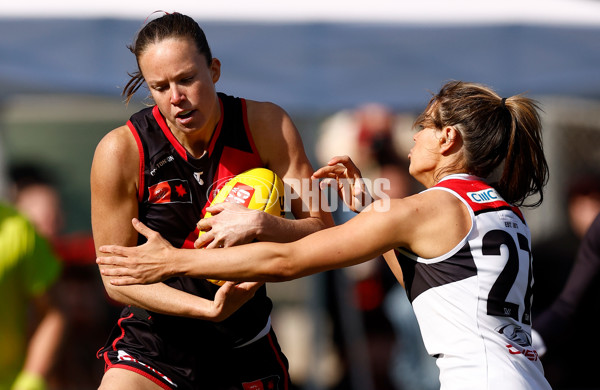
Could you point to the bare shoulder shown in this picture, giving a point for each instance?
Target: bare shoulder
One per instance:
(276, 137)
(262, 113)
(116, 142)
(429, 223)
(271, 123)
(116, 156)
(114, 181)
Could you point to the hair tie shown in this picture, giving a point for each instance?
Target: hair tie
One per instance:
(155, 12)
(503, 102)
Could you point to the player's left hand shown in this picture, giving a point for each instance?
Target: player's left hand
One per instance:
(230, 224)
(144, 264)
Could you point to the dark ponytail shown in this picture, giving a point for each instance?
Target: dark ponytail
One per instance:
(501, 136)
(525, 170)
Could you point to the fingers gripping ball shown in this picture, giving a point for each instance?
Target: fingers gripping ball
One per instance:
(256, 189)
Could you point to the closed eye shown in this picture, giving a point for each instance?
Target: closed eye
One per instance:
(159, 88)
(187, 80)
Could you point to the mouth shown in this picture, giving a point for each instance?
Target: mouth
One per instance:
(184, 114)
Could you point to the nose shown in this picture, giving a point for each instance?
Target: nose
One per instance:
(177, 95)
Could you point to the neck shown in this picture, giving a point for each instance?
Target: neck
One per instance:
(196, 142)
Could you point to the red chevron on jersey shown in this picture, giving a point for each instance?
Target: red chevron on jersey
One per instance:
(235, 162)
(189, 241)
(478, 194)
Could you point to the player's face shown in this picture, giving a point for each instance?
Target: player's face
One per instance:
(182, 84)
(424, 156)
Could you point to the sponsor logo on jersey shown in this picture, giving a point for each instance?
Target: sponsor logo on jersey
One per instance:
(198, 177)
(170, 191)
(484, 196)
(520, 341)
(529, 353)
(124, 356)
(159, 164)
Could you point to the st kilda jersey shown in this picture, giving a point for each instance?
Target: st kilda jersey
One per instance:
(175, 189)
(473, 304)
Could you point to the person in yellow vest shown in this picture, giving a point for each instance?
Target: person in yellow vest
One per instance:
(28, 269)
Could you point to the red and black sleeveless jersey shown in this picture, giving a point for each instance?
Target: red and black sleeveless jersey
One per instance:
(175, 189)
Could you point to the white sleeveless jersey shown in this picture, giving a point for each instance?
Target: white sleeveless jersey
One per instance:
(473, 303)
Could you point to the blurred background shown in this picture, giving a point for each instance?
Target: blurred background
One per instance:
(340, 69)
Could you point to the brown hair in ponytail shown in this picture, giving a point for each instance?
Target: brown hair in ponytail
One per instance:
(499, 135)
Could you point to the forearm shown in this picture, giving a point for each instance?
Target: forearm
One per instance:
(160, 298)
(45, 343)
(339, 246)
(260, 262)
(268, 261)
(275, 229)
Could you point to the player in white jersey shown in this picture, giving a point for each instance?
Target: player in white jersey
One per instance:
(463, 246)
(488, 273)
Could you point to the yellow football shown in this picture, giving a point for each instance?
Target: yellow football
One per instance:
(256, 189)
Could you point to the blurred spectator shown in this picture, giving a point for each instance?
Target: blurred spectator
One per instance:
(554, 262)
(572, 317)
(34, 194)
(394, 352)
(79, 289)
(31, 323)
(368, 135)
(553, 256)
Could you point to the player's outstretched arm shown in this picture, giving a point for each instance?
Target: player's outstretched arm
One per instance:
(378, 229)
(356, 241)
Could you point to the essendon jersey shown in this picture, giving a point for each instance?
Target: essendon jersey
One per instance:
(175, 189)
(473, 304)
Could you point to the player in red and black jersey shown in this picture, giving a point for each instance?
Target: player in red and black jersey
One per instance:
(163, 167)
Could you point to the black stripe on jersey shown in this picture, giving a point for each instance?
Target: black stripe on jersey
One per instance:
(420, 277)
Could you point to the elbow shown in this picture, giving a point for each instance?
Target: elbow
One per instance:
(283, 272)
(285, 267)
(114, 294)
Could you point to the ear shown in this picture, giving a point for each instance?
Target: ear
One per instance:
(215, 70)
(450, 139)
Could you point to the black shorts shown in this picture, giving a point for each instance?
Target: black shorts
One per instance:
(178, 356)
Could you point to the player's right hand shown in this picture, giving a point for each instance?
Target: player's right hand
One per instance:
(145, 264)
(345, 175)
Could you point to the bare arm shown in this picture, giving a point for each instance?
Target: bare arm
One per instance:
(392, 262)
(428, 224)
(46, 340)
(113, 180)
(281, 150)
